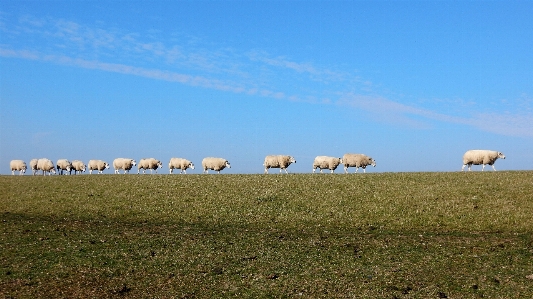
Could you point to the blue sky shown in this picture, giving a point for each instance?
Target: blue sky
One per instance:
(414, 84)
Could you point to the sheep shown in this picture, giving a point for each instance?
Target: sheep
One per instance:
(33, 166)
(216, 164)
(278, 161)
(181, 164)
(123, 163)
(357, 160)
(17, 165)
(323, 162)
(97, 165)
(46, 166)
(63, 164)
(149, 163)
(78, 166)
(477, 157)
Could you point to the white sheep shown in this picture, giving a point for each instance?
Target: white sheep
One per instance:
(216, 164)
(149, 163)
(181, 164)
(46, 166)
(17, 165)
(357, 160)
(278, 161)
(33, 166)
(63, 164)
(123, 163)
(78, 167)
(97, 165)
(477, 157)
(325, 162)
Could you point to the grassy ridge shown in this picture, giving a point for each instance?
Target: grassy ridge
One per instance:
(390, 235)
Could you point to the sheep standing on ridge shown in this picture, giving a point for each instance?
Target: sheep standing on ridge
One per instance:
(46, 166)
(97, 165)
(149, 163)
(477, 157)
(357, 160)
(216, 164)
(325, 162)
(123, 163)
(278, 161)
(17, 165)
(33, 166)
(78, 167)
(63, 164)
(181, 164)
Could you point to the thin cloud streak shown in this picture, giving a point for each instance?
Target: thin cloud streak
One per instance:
(141, 72)
(509, 124)
(380, 108)
(253, 75)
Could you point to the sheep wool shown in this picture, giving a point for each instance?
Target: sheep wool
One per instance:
(17, 165)
(481, 157)
(78, 166)
(325, 162)
(149, 163)
(46, 166)
(278, 161)
(63, 164)
(216, 164)
(97, 165)
(357, 160)
(125, 164)
(33, 166)
(181, 164)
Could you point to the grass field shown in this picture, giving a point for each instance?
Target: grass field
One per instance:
(386, 235)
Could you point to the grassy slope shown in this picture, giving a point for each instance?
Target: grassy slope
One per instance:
(391, 235)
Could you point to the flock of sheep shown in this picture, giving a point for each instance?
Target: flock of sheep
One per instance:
(471, 157)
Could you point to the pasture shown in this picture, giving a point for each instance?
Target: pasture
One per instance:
(384, 235)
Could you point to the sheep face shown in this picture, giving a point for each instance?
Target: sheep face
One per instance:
(501, 155)
(373, 162)
(227, 164)
(291, 160)
(133, 162)
(191, 166)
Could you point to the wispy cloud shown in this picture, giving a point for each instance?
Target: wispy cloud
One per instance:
(253, 72)
(383, 109)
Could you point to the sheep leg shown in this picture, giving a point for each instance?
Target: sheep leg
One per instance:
(493, 167)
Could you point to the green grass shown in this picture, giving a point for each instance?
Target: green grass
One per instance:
(390, 235)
